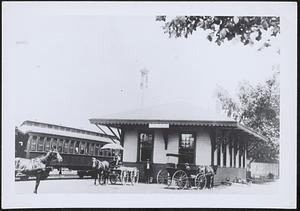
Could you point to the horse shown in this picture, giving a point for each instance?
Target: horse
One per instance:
(102, 170)
(38, 167)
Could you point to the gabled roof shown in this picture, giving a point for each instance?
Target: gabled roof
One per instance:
(182, 114)
(173, 111)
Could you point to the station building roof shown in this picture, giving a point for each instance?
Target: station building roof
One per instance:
(177, 114)
(58, 130)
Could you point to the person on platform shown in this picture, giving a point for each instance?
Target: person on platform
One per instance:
(148, 169)
(117, 159)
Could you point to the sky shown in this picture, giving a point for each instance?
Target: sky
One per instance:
(67, 68)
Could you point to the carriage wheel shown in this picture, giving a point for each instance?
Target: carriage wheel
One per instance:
(200, 181)
(132, 178)
(137, 177)
(180, 178)
(162, 177)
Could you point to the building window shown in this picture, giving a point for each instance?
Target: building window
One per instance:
(33, 143)
(66, 146)
(187, 148)
(145, 146)
(41, 144)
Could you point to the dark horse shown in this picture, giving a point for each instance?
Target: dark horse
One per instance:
(38, 167)
(101, 170)
(209, 172)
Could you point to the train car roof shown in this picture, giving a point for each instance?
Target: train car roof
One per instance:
(51, 131)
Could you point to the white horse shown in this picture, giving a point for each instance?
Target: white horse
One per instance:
(38, 167)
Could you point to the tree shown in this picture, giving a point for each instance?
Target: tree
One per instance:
(247, 29)
(257, 107)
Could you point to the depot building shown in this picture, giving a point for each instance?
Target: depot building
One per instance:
(201, 136)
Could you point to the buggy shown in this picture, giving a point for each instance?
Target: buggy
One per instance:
(186, 175)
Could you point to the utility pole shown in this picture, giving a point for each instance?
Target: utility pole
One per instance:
(144, 84)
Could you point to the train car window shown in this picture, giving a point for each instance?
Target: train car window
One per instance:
(54, 144)
(66, 146)
(77, 147)
(82, 148)
(97, 149)
(92, 149)
(100, 151)
(104, 153)
(71, 147)
(47, 144)
(41, 144)
(33, 143)
(87, 149)
(60, 145)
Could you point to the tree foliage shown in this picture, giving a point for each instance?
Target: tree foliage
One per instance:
(220, 28)
(257, 107)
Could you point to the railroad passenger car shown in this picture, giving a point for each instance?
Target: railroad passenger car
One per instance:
(76, 146)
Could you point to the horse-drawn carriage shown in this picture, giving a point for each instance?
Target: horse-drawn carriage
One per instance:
(185, 175)
(114, 173)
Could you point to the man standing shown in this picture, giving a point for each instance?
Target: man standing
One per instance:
(147, 171)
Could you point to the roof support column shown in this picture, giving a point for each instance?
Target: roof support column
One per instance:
(222, 153)
(122, 137)
(213, 145)
(237, 151)
(227, 155)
